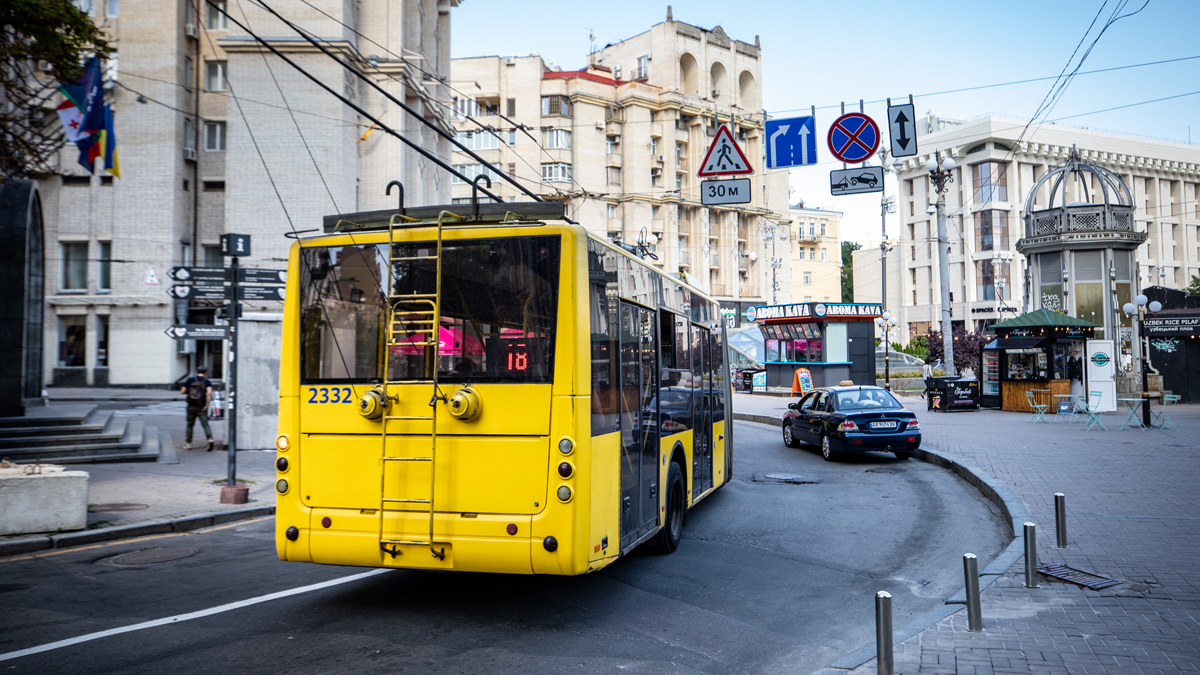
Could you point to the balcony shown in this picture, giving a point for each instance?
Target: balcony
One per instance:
(613, 159)
(681, 164)
(685, 258)
(1052, 229)
(656, 225)
(718, 289)
(612, 128)
(714, 261)
(743, 263)
(656, 129)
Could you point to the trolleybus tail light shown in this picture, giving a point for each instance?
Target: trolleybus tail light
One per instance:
(292, 533)
(281, 464)
(848, 425)
(564, 493)
(565, 469)
(281, 485)
(550, 544)
(511, 529)
(914, 424)
(326, 522)
(283, 442)
(565, 446)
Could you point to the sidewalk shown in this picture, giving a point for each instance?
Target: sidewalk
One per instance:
(1133, 515)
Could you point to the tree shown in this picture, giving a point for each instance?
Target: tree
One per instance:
(42, 42)
(1194, 287)
(848, 249)
(967, 348)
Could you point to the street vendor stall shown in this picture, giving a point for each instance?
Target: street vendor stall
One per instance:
(1038, 355)
(830, 342)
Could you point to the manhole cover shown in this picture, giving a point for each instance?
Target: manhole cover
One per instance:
(1075, 576)
(150, 556)
(104, 508)
(789, 477)
(886, 469)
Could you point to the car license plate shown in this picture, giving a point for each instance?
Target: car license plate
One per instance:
(883, 425)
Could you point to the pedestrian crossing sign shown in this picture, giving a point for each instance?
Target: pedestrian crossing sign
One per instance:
(724, 157)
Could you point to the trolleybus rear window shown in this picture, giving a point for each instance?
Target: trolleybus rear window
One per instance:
(499, 304)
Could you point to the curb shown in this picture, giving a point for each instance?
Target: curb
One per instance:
(996, 492)
(184, 524)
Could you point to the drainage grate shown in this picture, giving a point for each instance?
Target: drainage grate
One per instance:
(1075, 576)
(886, 469)
(150, 556)
(105, 508)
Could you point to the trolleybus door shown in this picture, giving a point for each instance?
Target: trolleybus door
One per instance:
(639, 423)
(702, 406)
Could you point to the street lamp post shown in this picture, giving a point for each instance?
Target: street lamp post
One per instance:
(886, 323)
(999, 259)
(940, 175)
(886, 205)
(776, 261)
(1140, 307)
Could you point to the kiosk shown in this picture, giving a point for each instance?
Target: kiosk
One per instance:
(832, 341)
(1041, 352)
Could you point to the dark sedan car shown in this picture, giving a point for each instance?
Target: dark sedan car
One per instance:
(852, 419)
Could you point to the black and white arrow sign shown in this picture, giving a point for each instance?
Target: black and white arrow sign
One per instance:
(902, 126)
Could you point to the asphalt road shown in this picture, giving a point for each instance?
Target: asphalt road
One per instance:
(770, 578)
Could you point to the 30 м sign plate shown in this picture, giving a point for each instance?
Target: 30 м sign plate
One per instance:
(733, 191)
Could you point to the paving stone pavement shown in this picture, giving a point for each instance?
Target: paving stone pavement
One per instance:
(1133, 515)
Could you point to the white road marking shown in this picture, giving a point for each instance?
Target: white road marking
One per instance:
(187, 617)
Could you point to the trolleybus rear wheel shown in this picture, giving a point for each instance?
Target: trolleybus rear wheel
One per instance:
(667, 540)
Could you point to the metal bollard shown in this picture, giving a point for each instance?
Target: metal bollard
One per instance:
(1060, 518)
(971, 573)
(883, 633)
(1031, 580)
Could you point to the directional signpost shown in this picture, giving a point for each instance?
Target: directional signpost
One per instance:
(253, 275)
(198, 292)
(198, 274)
(260, 293)
(853, 138)
(902, 126)
(791, 142)
(725, 158)
(856, 181)
(198, 332)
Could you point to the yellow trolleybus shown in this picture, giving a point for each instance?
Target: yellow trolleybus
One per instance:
(491, 388)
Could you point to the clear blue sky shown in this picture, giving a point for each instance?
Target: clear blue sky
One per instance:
(823, 53)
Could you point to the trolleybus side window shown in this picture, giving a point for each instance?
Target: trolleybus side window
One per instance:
(602, 289)
(499, 304)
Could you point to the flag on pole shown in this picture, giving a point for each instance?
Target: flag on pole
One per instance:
(87, 94)
(88, 121)
(103, 145)
(72, 121)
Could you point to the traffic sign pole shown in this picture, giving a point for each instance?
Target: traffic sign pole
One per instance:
(231, 413)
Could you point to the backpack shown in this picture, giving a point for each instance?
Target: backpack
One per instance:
(196, 394)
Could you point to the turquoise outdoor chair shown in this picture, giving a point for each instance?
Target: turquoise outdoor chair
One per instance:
(1162, 417)
(1039, 409)
(1093, 411)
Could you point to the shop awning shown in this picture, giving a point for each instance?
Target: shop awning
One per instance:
(1043, 318)
(1016, 343)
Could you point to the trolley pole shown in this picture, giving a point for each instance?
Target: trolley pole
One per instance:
(940, 173)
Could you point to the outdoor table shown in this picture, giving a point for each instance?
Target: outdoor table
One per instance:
(1074, 405)
(1132, 405)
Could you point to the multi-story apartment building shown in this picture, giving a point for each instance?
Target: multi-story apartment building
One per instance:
(996, 169)
(620, 140)
(815, 255)
(211, 128)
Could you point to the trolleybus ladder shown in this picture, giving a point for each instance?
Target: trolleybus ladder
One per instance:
(414, 321)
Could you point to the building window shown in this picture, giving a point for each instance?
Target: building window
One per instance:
(214, 136)
(460, 200)
(556, 139)
(991, 231)
(812, 253)
(112, 7)
(104, 267)
(824, 255)
(478, 140)
(654, 212)
(188, 72)
(808, 278)
(679, 181)
(614, 113)
(556, 105)
(823, 224)
(512, 170)
(101, 341)
(653, 147)
(216, 19)
(990, 278)
(473, 170)
(614, 175)
(73, 268)
(612, 144)
(991, 182)
(72, 341)
(556, 172)
(643, 68)
(214, 76)
(512, 137)
(213, 257)
(612, 211)
(680, 153)
(655, 177)
(214, 186)
(510, 106)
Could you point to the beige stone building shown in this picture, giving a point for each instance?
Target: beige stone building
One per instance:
(815, 255)
(620, 140)
(209, 128)
(985, 204)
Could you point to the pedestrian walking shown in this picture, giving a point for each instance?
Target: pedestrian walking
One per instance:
(927, 372)
(198, 390)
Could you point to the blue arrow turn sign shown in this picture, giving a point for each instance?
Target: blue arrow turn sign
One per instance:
(791, 142)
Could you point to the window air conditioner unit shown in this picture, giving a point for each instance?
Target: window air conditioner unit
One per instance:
(510, 61)
(716, 93)
(616, 72)
(600, 126)
(190, 30)
(189, 154)
(655, 173)
(661, 159)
